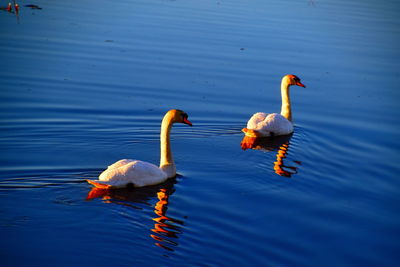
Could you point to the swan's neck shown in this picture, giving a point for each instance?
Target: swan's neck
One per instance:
(286, 109)
(166, 160)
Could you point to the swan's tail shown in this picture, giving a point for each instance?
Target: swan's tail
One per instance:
(100, 185)
(251, 133)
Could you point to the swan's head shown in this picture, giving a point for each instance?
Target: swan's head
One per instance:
(293, 80)
(179, 116)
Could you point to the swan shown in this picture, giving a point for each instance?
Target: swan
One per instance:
(140, 173)
(262, 124)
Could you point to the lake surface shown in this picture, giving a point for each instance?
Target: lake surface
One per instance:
(86, 83)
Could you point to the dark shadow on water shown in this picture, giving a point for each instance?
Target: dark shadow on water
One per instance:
(278, 143)
(166, 229)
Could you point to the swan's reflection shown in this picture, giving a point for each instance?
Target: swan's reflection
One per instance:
(279, 143)
(166, 229)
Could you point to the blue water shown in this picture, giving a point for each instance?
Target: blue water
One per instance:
(84, 84)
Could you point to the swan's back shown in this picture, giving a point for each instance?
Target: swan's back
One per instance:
(253, 122)
(273, 123)
(137, 172)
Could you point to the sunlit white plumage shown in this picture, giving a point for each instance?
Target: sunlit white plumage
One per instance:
(270, 124)
(139, 173)
(262, 124)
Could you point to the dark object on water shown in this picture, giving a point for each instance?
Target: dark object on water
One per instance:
(33, 6)
(8, 8)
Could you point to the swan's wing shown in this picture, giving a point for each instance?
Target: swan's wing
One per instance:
(120, 163)
(276, 124)
(143, 173)
(136, 172)
(255, 120)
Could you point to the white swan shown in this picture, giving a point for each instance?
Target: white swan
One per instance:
(139, 173)
(262, 124)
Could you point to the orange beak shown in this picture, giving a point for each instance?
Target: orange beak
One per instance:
(300, 84)
(186, 121)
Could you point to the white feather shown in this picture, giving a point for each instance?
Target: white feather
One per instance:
(273, 123)
(137, 172)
